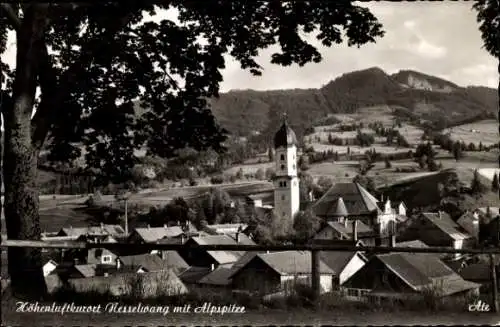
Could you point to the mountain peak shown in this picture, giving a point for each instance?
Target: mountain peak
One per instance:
(420, 81)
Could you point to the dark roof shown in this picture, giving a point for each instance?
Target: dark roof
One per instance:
(422, 270)
(357, 200)
(193, 274)
(477, 272)
(285, 136)
(172, 259)
(337, 260)
(150, 262)
(444, 222)
(291, 262)
(220, 276)
(349, 242)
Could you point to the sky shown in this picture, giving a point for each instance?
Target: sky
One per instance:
(435, 38)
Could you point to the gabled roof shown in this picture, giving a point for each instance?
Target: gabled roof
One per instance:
(150, 262)
(357, 200)
(193, 274)
(444, 222)
(218, 277)
(173, 260)
(290, 262)
(223, 257)
(346, 228)
(88, 270)
(468, 222)
(153, 234)
(337, 260)
(420, 271)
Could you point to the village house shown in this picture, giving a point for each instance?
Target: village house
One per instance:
(345, 230)
(438, 229)
(153, 234)
(405, 276)
(343, 264)
(202, 258)
(101, 256)
(228, 228)
(273, 272)
(91, 232)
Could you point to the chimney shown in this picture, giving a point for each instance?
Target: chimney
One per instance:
(237, 237)
(178, 222)
(183, 238)
(212, 267)
(75, 261)
(382, 198)
(118, 263)
(440, 214)
(149, 226)
(106, 274)
(355, 230)
(165, 226)
(163, 254)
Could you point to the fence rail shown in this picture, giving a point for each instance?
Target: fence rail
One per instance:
(313, 248)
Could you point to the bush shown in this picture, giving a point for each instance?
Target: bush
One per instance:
(218, 179)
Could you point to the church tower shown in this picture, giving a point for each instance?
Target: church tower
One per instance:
(286, 182)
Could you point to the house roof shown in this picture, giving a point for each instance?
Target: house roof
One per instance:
(468, 222)
(476, 272)
(193, 274)
(291, 262)
(357, 200)
(220, 276)
(114, 230)
(87, 270)
(422, 270)
(444, 222)
(220, 228)
(346, 228)
(336, 242)
(172, 259)
(223, 257)
(337, 260)
(153, 234)
(150, 262)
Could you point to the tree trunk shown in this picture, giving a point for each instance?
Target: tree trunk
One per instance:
(20, 162)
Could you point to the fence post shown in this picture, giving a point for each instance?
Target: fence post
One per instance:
(316, 285)
(494, 284)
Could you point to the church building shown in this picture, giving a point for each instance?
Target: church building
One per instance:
(286, 181)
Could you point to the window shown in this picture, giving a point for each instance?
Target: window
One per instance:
(282, 157)
(106, 259)
(282, 198)
(352, 292)
(284, 214)
(282, 167)
(284, 184)
(294, 166)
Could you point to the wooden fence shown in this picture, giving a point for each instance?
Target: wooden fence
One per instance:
(313, 248)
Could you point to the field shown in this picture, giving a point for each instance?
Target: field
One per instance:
(484, 131)
(366, 116)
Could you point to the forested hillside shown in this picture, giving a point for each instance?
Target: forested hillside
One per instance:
(423, 96)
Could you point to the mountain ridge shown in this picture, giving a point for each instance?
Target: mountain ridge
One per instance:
(246, 112)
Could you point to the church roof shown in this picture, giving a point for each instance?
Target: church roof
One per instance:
(356, 199)
(285, 136)
(339, 210)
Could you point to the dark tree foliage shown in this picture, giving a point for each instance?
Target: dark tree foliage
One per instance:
(110, 63)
